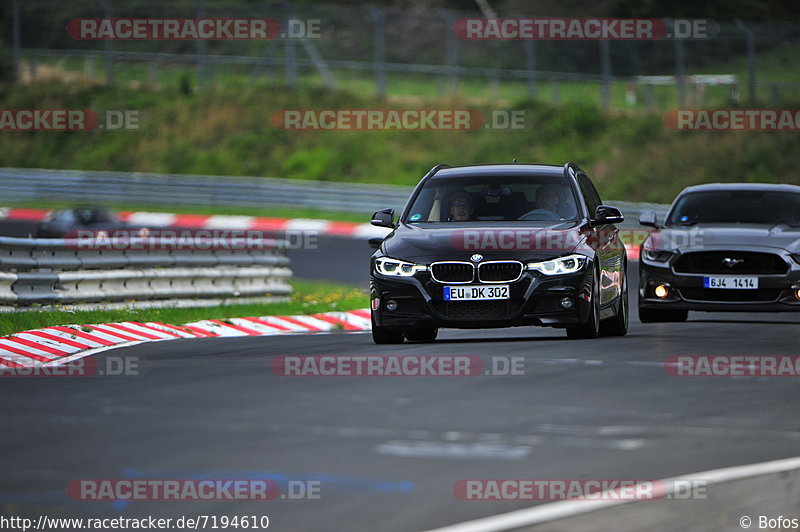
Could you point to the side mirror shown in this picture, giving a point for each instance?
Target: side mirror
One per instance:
(383, 218)
(375, 242)
(607, 215)
(649, 219)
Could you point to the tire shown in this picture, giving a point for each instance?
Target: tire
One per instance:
(657, 315)
(618, 325)
(422, 334)
(384, 335)
(590, 329)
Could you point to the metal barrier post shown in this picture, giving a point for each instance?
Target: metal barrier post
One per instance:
(379, 50)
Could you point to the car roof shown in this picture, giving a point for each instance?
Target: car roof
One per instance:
(515, 169)
(766, 187)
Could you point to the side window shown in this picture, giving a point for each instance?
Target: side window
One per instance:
(590, 194)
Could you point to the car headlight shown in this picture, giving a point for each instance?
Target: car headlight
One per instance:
(657, 255)
(559, 266)
(397, 268)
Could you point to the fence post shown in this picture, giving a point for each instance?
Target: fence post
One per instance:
(152, 73)
(291, 48)
(264, 62)
(106, 4)
(319, 63)
(529, 47)
(751, 60)
(15, 30)
(605, 65)
(452, 49)
(680, 68)
(648, 96)
(494, 88)
(378, 49)
(200, 12)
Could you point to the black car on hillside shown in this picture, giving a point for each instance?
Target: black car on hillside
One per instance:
(499, 245)
(722, 247)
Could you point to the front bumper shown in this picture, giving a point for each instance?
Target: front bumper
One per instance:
(775, 292)
(534, 300)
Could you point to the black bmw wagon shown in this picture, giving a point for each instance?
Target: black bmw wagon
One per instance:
(499, 245)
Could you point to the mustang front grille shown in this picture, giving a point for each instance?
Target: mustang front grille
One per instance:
(731, 262)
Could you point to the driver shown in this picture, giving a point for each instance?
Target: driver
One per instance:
(461, 207)
(547, 200)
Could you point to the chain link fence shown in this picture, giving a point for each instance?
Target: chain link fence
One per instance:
(393, 52)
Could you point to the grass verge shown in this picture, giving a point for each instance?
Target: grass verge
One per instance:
(227, 131)
(308, 297)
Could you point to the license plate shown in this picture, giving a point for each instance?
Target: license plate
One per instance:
(475, 292)
(727, 282)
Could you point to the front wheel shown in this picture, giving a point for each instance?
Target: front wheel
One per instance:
(591, 328)
(384, 335)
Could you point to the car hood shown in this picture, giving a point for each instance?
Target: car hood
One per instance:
(431, 242)
(731, 236)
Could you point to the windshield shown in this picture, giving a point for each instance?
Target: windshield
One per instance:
(493, 198)
(736, 206)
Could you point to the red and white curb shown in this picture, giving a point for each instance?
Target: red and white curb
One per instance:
(248, 223)
(52, 346)
(219, 221)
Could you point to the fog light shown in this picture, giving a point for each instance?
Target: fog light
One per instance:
(391, 305)
(797, 293)
(567, 303)
(662, 291)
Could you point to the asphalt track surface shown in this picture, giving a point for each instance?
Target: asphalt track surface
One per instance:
(388, 450)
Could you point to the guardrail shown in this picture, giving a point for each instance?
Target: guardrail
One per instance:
(43, 271)
(21, 184)
(26, 184)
